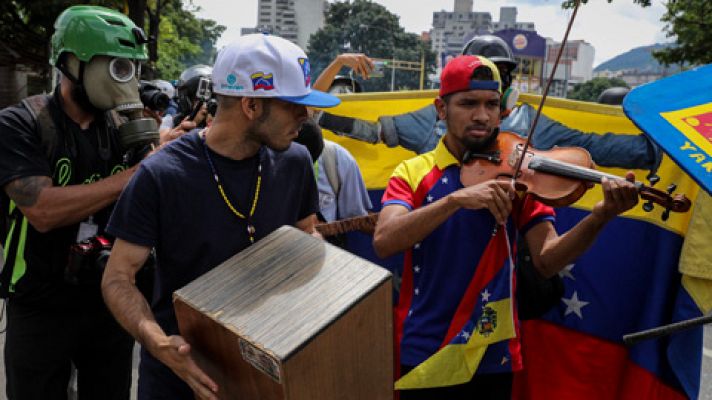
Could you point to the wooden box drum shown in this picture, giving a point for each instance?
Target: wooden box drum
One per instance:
(292, 317)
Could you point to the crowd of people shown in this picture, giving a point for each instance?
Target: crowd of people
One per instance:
(97, 197)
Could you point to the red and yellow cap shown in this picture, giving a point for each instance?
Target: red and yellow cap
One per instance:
(457, 75)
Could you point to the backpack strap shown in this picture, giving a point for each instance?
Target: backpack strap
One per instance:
(38, 106)
(17, 227)
(328, 155)
(14, 228)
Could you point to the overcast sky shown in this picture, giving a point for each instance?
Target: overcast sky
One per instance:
(612, 29)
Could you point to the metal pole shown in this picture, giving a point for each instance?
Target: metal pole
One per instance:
(422, 66)
(566, 76)
(393, 70)
(665, 330)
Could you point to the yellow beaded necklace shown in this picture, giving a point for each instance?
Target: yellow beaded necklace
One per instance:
(250, 227)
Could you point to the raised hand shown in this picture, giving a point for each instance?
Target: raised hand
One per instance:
(358, 62)
(181, 129)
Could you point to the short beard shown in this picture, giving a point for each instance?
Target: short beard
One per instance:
(258, 132)
(266, 110)
(480, 146)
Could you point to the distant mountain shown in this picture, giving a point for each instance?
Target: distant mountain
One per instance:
(640, 58)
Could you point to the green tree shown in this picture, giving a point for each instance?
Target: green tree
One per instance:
(366, 27)
(690, 22)
(572, 3)
(589, 91)
(26, 27)
(184, 39)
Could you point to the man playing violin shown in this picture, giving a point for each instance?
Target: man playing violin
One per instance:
(446, 229)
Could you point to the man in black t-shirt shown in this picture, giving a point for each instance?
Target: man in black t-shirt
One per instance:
(61, 169)
(209, 195)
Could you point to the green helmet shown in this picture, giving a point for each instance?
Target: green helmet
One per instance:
(87, 31)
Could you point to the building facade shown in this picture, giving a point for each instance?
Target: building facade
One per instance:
(633, 77)
(529, 51)
(294, 20)
(508, 20)
(575, 66)
(452, 29)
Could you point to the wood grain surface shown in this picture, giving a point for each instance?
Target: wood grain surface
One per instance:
(292, 317)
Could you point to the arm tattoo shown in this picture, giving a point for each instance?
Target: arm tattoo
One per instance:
(25, 191)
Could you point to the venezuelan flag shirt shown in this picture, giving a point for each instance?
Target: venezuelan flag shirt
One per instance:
(449, 277)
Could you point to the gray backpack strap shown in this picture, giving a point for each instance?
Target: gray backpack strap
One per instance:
(38, 106)
(328, 155)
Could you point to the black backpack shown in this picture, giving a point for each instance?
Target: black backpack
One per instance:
(46, 127)
(38, 107)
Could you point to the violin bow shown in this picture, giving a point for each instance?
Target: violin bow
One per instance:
(518, 166)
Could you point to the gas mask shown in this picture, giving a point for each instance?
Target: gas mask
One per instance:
(111, 84)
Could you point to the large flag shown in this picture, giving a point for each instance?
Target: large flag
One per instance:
(485, 316)
(628, 281)
(677, 113)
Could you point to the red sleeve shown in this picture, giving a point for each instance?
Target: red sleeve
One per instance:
(398, 192)
(530, 212)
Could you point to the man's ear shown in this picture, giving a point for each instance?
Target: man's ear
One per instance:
(252, 107)
(441, 108)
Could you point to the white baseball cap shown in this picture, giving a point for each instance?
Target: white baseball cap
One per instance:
(260, 65)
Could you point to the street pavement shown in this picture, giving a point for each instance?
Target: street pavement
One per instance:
(705, 385)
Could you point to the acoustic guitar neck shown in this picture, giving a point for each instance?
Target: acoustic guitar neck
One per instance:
(365, 223)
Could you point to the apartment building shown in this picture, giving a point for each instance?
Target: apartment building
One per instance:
(452, 29)
(576, 65)
(508, 20)
(294, 20)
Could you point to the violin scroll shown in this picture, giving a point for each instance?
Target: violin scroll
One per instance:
(674, 203)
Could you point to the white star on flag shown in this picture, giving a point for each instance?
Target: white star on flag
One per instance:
(416, 269)
(417, 291)
(485, 296)
(416, 246)
(505, 360)
(566, 272)
(444, 180)
(465, 334)
(430, 199)
(574, 305)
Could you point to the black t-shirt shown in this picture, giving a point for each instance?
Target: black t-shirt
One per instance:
(73, 160)
(173, 204)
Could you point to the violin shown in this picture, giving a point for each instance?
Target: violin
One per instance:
(556, 177)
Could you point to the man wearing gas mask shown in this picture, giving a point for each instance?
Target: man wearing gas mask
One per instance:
(64, 159)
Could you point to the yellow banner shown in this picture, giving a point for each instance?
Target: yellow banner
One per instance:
(377, 162)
